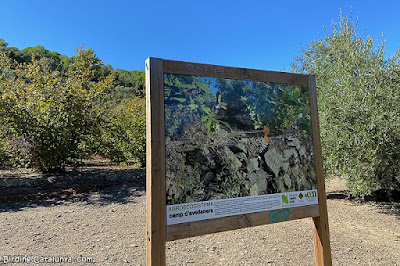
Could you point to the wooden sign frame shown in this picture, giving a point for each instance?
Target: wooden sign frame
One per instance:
(157, 230)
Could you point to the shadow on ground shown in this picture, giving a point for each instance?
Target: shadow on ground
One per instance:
(386, 205)
(91, 186)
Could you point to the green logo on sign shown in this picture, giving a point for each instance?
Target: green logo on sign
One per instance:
(300, 196)
(311, 194)
(285, 199)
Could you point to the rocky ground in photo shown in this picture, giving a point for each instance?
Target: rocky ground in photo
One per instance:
(109, 224)
(237, 164)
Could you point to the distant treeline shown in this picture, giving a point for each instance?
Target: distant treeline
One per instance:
(127, 83)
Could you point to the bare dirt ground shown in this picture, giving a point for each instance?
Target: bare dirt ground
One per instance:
(108, 226)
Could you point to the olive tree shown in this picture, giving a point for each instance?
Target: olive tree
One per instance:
(359, 107)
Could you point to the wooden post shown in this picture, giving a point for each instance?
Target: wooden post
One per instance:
(155, 162)
(322, 246)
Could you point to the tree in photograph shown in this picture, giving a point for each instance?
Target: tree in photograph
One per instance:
(359, 107)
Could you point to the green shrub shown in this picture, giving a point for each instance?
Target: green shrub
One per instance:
(123, 136)
(4, 155)
(17, 152)
(359, 107)
(48, 112)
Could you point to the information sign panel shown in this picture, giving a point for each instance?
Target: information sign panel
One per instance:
(229, 148)
(235, 147)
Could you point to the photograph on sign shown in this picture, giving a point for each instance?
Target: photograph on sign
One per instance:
(235, 147)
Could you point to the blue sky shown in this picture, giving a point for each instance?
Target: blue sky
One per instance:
(253, 34)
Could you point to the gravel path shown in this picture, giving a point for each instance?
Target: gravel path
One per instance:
(108, 227)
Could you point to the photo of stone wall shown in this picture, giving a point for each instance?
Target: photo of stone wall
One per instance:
(235, 138)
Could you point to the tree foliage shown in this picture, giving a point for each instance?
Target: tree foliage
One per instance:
(255, 104)
(127, 84)
(123, 135)
(359, 106)
(192, 100)
(55, 109)
(50, 112)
